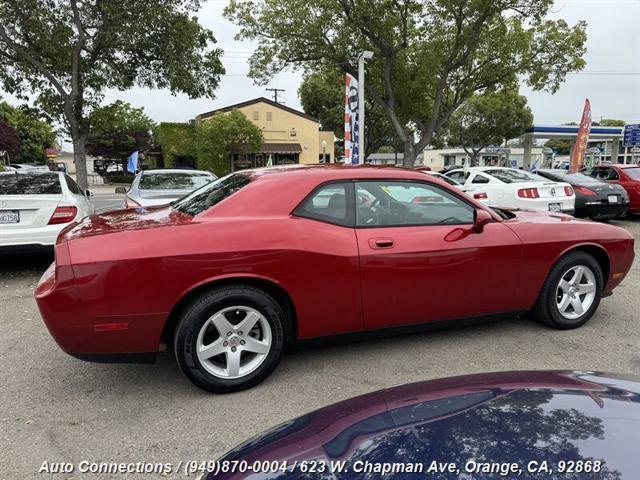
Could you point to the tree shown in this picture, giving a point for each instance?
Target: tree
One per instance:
(563, 146)
(118, 129)
(322, 96)
(67, 52)
(9, 141)
(489, 119)
(429, 56)
(609, 122)
(223, 134)
(35, 134)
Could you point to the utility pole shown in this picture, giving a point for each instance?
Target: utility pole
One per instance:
(275, 92)
(364, 56)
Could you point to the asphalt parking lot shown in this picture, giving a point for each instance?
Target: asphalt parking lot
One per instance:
(59, 409)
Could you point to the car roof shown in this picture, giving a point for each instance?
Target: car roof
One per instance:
(335, 171)
(159, 171)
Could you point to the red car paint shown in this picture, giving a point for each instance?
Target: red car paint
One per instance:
(630, 183)
(132, 267)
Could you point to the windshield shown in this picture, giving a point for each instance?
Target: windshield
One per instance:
(27, 184)
(210, 194)
(444, 178)
(633, 172)
(174, 181)
(514, 176)
(581, 178)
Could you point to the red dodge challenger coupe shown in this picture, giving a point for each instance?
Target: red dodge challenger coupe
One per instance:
(246, 265)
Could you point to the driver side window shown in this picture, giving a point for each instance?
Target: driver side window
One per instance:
(397, 203)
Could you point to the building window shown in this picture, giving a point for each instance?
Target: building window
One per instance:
(256, 115)
(269, 116)
(293, 132)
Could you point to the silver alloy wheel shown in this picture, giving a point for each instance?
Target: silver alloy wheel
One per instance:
(240, 341)
(576, 292)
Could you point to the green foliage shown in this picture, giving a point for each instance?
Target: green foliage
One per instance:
(66, 53)
(175, 140)
(217, 137)
(610, 122)
(489, 119)
(116, 130)
(429, 57)
(35, 135)
(562, 146)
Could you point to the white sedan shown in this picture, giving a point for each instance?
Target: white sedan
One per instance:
(511, 188)
(35, 207)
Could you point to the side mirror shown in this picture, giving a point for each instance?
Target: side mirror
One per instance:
(88, 193)
(480, 219)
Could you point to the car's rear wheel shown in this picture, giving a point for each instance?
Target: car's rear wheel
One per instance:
(571, 293)
(230, 338)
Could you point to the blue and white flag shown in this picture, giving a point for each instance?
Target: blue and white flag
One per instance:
(535, 165)
(132, 164)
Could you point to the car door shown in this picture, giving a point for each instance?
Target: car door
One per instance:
(420, 261)
(325, 283)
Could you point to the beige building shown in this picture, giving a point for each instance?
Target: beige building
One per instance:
(290, 136)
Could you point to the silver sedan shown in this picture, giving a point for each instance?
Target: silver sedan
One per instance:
(159, 187)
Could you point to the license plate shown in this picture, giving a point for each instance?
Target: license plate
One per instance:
(613, 199)
(9, 216)
(555, 207)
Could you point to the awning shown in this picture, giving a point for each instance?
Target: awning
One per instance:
(281, 148)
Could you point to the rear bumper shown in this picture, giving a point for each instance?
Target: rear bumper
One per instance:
(601, 211)
(135, 357)
(112, 337)
(42, 236)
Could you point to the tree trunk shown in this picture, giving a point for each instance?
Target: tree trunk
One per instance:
(80, 158)
(409, 153)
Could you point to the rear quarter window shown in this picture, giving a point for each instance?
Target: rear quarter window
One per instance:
(27, 184)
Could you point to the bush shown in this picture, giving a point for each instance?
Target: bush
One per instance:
(118, 178)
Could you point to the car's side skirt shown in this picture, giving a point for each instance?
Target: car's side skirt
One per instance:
(407, 329)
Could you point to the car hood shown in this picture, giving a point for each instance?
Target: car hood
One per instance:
(122, 220)
(500, 417)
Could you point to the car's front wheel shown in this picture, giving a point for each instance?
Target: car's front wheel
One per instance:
(571, 293)
(230, 338)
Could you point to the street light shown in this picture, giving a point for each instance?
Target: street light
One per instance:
(364, 56)
(324, 151)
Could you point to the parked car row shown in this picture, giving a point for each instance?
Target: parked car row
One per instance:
(36, 205)
(603, 192)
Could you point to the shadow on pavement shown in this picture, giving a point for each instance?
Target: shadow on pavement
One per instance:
(13, 264)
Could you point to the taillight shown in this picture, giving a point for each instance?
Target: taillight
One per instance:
(63, 215)
(528, 193)
(585, 191)
(480, 196)
(568, 191)
(128, 203)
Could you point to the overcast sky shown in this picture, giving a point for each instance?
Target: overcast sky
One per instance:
(611, 79)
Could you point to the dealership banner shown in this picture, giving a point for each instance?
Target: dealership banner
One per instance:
(580, 147)
(351, 122)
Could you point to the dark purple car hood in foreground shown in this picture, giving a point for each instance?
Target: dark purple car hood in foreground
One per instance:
(502, 418)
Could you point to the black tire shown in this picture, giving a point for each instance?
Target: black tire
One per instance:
(204, 307)
(546, 309)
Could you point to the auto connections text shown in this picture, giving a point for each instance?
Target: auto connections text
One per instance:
(470, 468)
